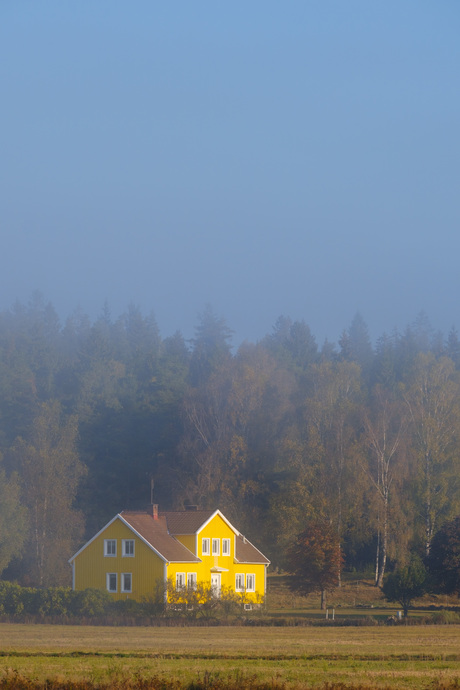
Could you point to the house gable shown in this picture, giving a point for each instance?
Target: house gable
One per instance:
(120, 560)
(138, 551)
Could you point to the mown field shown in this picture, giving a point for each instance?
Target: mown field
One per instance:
(366, 657)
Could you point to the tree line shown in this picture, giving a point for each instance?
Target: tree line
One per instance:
(278, 434)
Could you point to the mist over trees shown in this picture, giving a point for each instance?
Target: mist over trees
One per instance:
(280, 434)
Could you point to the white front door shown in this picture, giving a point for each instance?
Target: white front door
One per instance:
(215, 584)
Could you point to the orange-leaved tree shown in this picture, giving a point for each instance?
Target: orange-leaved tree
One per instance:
(315, 560)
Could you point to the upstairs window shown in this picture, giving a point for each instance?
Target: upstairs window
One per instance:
(110, 547)
(127, 547)
(216, 547)
(111, 580)
(205, 547)
(225, 547)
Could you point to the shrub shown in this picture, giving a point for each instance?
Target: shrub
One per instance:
(15, 600)
(54, 601)
(444, 617)
(91, 603)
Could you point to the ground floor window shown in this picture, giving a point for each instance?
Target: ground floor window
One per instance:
(250, 582)
(239, 582)
(191, 580)
(180, 580)
(241, 586)
(111, 579)
(126, 582)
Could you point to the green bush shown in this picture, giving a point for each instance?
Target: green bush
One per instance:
(55, 601)
(91, 603)
(15, 600)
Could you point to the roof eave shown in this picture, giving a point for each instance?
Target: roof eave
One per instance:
(90, 541)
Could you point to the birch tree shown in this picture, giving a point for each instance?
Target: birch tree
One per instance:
(13, 519)
(432, 399)
(385, 423)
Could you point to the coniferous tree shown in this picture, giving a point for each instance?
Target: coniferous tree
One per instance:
(444, 558)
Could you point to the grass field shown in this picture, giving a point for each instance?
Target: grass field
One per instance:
(371, 657)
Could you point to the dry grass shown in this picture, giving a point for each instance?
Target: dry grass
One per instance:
(400, 657)
(287, 658)
(355, 597)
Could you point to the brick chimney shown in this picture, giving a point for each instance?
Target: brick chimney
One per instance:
(153, 510)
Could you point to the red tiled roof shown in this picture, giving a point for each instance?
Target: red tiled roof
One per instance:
(155, 533)
(186, 521)
(245, 552)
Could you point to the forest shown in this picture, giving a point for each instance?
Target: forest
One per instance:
(275, 434)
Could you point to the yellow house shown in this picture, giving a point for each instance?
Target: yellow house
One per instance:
(137, 551)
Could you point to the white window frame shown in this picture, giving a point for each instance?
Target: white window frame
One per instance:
(180, 582)
(226, 547)
(108, 543)
(124, 587)
(205, 546)
(191, 581)
(250, 582)
(215, 546)
(108, 578)
(239, 582)
(124, 545)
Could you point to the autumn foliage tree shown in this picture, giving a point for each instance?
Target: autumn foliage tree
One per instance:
(315, 560)
(50, 471)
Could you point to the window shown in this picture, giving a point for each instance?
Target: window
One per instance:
(180, 581)
(215, 584)
(239, 582)
(111, 579)
(216, 547)
(110, 547)
(225, 547)
(126, 582)
(250, 582)
(127, 547)
(191, 580)
(205, 547)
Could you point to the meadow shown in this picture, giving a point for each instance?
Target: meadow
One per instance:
(223, 657)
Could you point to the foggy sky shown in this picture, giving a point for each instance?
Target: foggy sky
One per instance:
(268, 158)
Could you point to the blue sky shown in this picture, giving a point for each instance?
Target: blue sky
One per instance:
(268, 158)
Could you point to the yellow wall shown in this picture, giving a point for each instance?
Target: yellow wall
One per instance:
(217, 528)
(188, 540)
(148, 569)
(91, 566)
